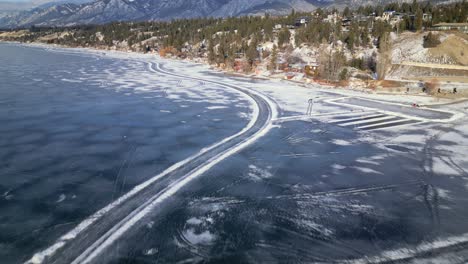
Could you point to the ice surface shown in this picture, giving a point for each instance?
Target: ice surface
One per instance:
(341, 173)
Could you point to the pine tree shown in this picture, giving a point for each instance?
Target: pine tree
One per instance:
(418, 23)
(230, 57)
(273, 58)
(251, 54)
(347, 12)
(463, 12)
(414, 6)
(283, 37)
(211, 51)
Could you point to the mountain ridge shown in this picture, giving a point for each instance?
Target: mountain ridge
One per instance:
(105, 11)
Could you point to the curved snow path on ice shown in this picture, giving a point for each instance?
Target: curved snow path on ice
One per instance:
(264, 111)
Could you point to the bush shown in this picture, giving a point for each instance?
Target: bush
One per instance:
(358, 63)
(431, 40)
(344, 74)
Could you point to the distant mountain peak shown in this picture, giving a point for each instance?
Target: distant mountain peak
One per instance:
(104, 11)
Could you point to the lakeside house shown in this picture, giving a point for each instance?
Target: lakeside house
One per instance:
(346, 24)
(302, 21)
(332, 18)
(397, 18)
(387, 15)
(427, 17)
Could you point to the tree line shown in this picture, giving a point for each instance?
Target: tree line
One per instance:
(223, 40)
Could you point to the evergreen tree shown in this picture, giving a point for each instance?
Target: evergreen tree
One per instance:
(414, 7)
(283, 37)
(231, 59)
(347, 12)
(418, 23)
(251, 54)
(211, 51)
(463, 12)
(273, 58)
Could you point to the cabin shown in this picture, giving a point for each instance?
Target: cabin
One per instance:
(346, 24)
(302, 21)
(396, 18)
(332, 18)
(427, 17)
(311, 69)
(387, 15)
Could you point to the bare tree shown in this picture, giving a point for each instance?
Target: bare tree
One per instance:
(331, 62)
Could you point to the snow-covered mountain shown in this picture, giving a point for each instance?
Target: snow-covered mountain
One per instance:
(103, 11)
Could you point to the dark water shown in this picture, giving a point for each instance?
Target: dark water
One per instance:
(72, 139)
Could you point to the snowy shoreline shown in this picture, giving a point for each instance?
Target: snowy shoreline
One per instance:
(399, 97)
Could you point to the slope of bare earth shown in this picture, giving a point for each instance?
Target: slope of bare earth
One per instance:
(13, 34)
(455, 46)
(408, 47)
(53, 36)
(448, 62)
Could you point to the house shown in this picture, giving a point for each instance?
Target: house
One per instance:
(387, 15)
(396, 18)
(302, 21)
(364, 20)
(345, 24)
(282, 65)
(427, 17)
(361, 18)
(239, 55)
(278, 26)
(332, 18)
(311, 69)
(463, 27)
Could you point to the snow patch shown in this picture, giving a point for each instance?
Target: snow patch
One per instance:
(258, 174)
(61, 198)
(341, 142)
(367, 170)
(150, 252)
(71, 81)
(204, 238)
(194, 221)
(367, 161)
(338, 167)
(216, 107)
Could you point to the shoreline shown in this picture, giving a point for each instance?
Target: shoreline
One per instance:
(341, 90)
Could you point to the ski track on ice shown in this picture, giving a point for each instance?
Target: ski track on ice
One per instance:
(137, 214)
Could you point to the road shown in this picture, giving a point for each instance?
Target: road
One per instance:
(434, 65)
(92, 236)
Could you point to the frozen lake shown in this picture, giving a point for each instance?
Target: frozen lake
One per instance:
(375, 184)
(78, 131)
